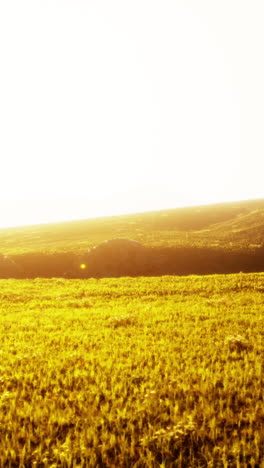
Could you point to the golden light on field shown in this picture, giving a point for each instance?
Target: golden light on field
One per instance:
(118, 107)
(164, 372)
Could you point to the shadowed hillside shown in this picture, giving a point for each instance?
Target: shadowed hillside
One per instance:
(226, 237)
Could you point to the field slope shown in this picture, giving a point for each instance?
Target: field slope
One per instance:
(238, 224)
(222, 238)
(132, 372)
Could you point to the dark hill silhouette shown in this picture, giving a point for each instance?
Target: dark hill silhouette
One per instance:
(115, 257)
(220, 238)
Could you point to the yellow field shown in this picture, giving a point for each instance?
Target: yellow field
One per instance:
(132, 372)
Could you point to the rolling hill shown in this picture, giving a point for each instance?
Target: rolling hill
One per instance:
(185, 236)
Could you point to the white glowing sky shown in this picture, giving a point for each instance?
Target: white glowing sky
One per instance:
(109, 107)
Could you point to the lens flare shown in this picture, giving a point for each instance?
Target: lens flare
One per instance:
(83, 266)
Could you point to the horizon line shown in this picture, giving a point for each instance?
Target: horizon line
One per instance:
(130, 213)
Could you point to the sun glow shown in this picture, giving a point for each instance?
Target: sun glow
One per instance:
(115, 107)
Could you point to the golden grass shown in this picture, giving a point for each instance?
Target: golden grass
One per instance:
(132, 372)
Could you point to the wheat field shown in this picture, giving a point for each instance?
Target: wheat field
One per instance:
(132, 372)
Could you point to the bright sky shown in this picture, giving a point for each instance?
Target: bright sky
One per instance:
(110, 107)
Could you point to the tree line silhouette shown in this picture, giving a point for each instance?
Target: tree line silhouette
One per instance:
(153, 261)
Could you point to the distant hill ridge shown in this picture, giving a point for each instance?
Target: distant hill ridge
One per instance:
(220, 238)
(237, 223)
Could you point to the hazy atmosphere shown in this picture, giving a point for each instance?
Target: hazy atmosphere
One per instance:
(118, 107)
(131, 233)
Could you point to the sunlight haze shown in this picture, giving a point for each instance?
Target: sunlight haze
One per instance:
(115, 107)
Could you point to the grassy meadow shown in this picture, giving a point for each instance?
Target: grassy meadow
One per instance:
(232, 225)
(132, 372)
